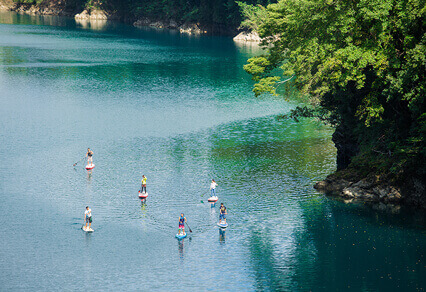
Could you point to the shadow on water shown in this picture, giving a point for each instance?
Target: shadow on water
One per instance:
(353, 247)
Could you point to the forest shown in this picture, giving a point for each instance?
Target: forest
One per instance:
(222, 14)
(361, 67)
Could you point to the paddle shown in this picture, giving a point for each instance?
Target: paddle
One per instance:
(188, 227)
(79, 161)
(205, 193)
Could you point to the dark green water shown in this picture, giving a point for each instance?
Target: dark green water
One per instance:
(180, 110)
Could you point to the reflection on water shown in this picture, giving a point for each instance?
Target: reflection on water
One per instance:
(93, 24)
(180, 248)
(179, 110)
(222, 235)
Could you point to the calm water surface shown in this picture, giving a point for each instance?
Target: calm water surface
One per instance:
(180, 110)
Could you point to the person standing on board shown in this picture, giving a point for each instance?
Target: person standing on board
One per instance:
(222, 213)
(88, 216)
(89, 155)
(143, 186)
(213, 186)
(182, 220)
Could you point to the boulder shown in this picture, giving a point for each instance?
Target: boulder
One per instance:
(247, 37)
(7, 5)
(190, 28)
(332, 186)
(83, 15)
(98, 15)
(93, 15)
(358, 193)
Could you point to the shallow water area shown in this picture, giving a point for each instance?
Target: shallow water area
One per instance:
(180, 110)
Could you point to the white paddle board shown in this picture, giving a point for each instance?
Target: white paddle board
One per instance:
(88, 229)
(90, 166)
(212, 199)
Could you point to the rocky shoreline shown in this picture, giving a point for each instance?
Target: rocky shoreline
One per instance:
(373, 188)
(93, 15)
(54, 9)
(187, 28)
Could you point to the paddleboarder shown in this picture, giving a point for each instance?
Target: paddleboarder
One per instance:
(143, 186)
(182, 220)
(222, 213)
(89, 155)
(88, 216)
(213, 186)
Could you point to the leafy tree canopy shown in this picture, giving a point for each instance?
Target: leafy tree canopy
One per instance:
(362, 61)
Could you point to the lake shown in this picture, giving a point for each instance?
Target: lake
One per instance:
(180, 110)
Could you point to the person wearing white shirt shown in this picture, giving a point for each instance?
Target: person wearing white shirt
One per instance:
(88, 216)
(213, 186)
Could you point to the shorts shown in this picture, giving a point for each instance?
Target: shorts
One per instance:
(222, 216)
(89, 219)
(181, 226)
(144, 186)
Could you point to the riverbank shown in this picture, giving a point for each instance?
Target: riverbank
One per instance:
(94, 14)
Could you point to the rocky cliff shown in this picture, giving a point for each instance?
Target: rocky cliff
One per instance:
(353, 186)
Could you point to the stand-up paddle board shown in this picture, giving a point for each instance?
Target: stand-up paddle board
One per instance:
(143, 195)
(90, 166)
(88, 229)
(180, 236)
(212, 199)
(222, 224)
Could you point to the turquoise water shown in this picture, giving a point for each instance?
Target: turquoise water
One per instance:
(180, 110)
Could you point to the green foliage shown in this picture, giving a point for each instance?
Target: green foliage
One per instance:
(362, 61)
(252, 15)
(214, 13)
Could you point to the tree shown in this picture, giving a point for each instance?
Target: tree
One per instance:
(362, 62)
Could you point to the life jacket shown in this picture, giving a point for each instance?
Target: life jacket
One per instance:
(182, 221)
(144, 180)
(223, 210)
